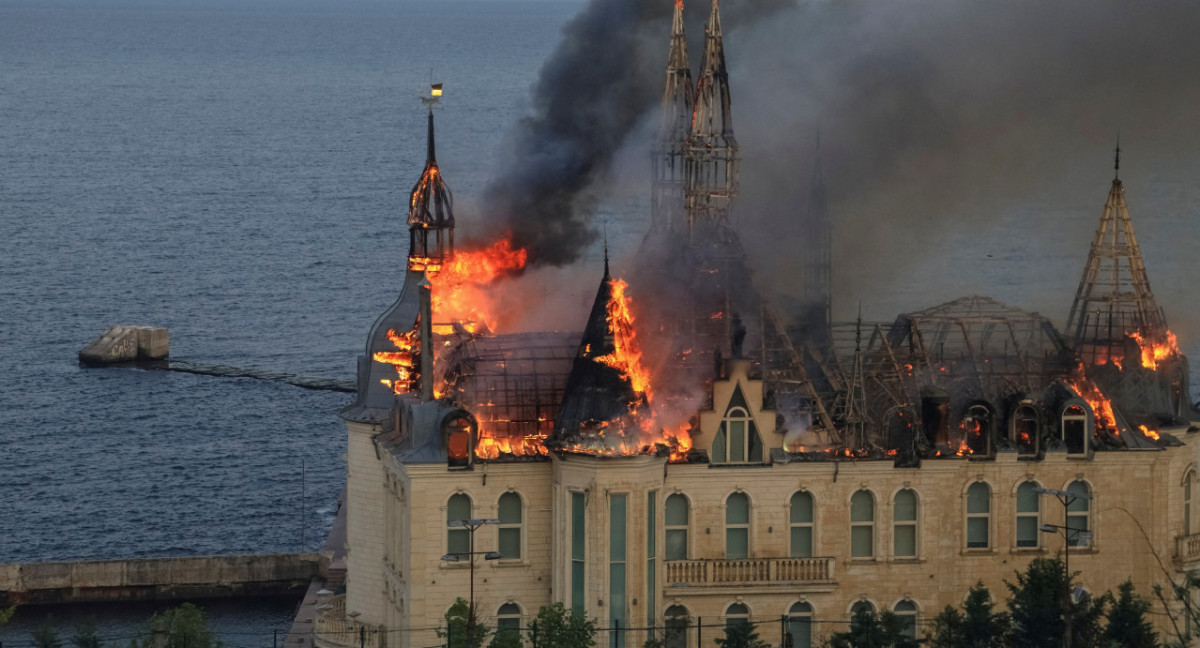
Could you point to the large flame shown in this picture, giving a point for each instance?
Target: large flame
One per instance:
(459, 285)
(1153, 434)
(1101, 407)
(627, 354)
(404, 360)
(1154, 352)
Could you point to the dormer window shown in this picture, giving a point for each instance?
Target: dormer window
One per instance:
(737, 439)
(459, 432)
(1074, 429)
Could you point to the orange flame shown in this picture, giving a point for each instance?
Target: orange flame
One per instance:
(1101, 407)
(404, 360)
(1153, 434)
(963, 449)
(1154, 352)
(459, 285)
(627, 355)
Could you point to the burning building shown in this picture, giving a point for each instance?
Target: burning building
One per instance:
(690, 456)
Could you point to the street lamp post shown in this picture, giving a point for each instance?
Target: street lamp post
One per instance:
(1069, 534)
(471, 526)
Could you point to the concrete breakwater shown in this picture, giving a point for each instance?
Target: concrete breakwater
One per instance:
(158, 579)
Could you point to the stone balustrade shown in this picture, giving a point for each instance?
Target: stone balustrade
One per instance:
(1187, 548)
(751, 571)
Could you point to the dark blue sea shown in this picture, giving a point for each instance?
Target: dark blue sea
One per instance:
(237, 171)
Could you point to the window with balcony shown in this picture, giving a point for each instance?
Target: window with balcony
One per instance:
(458, 539)
(800, 519)
(1029, 519)
(510, 526)
(979, 516)
(737, 526)
(676, 524)
(862, 525)
(904, 524)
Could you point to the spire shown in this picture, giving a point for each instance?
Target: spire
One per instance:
(430, 207)
(817, 271)
(712, 152)
(1114, 297)
(1117, 164)
(674, 125)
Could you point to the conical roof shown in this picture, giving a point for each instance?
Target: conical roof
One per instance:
(595, 392)
(1114, 297)
(712, 121)
(675, 115)
(430, 204)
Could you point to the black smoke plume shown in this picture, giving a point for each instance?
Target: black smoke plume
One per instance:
(605, 75)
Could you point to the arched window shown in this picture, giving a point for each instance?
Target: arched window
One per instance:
(977, 430)
(737, 614)
(737, 439)
(677, 621)
(1189, 485)
(979, 513)
(904, 524)
(737, 526)
(1028, 515)
(1079, 515)
(508, 620)
(677, 527)
(1026, 429)
(799, 625)
(1074, 429)
(862, 525)
(800, 519)
(906, 612)
(458, 538)
(861, 611)
(510, 526)
(458, 430)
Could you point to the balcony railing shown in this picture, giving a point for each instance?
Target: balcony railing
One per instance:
(752, 571)
(334, 630)
(1187, 548)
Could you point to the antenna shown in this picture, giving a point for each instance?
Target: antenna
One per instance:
(1117, 165)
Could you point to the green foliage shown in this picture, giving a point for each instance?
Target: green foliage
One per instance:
(868, 630)
(977, 626)
(180, 627)
(46, 634)
(673, 633)
(741, 635)
(557, 627)
(85, 635)
(1127, 624)
(506, 639)
(463, 629)
(6, 614)
(1040, 607)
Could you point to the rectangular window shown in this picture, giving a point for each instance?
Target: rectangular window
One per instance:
(651, 540)
(737, 441)
(802, 542)
(616, 567)
(977, 533)
(862, 541)
(578, 539)
(1028, 534)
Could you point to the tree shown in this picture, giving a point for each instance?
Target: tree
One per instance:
(180, 627)
(1127, 624)
(741, 635)
(463, 629)
(868, 630)
(6, 614)
(1042, 600)
(557, 627)
(975, 627)
(46, 634)
(85, 635)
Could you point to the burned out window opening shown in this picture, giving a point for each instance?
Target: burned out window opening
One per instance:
(459, 431)
(935, 416)
(862, 524)
(1029, 516)
(1026, 429)
(977, 427)
(979, 516)
(1075, 426)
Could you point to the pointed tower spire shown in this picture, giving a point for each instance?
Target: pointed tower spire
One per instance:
(712, 152)
(1114, 297)
(430, 207)
(817, 272)
(674, 125)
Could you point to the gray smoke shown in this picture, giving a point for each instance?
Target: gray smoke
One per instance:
(967, 146)
(605, 75)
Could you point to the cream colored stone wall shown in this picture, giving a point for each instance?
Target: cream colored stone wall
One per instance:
(365, 523)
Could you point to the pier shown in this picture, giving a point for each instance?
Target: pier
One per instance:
(158, 579)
